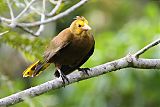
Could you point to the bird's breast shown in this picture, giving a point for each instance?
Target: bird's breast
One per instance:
(75, 51)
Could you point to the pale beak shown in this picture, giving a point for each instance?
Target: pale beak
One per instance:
(86, 27)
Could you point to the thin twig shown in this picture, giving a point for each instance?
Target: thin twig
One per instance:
(28, 31)
(11, 13)
(53, 2)
(60, 15)
(4, 32)
(10, 9)
(41, 27)
(55, 8)
(32, 8)
(137, 54)
(25, 9)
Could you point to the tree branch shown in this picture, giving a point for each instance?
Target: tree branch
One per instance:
(60, 15)
(129, 61)
(147, 48)
(14, 21)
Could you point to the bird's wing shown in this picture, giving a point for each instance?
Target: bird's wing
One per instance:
(67, 69)
(62, 40)
(49, 53)
(86, 57)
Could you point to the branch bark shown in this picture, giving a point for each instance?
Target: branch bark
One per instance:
(129, 61)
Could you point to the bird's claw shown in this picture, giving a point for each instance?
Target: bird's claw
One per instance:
(63, 76)
(85, 70)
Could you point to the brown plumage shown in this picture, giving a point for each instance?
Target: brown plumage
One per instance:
(70, 49)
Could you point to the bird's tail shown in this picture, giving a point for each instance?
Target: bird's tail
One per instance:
(35, 69)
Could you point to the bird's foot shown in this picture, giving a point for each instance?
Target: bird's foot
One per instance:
(85, 70)
(64, 78)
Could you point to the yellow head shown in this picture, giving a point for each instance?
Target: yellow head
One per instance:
(79, 25)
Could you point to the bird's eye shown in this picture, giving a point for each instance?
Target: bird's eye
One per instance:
(79, 25)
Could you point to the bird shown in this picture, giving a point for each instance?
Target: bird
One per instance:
(68, 51)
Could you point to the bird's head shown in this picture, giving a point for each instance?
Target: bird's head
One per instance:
(79, 25)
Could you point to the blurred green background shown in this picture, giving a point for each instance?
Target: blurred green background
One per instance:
(119, 27)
